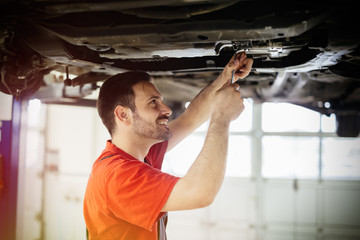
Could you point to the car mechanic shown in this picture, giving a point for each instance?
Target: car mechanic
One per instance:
(127, 196)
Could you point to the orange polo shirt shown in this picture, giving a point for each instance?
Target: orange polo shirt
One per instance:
(124, 196)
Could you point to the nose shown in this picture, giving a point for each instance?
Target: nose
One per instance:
(165, 109)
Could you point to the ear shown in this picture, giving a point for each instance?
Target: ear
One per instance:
(122, 114)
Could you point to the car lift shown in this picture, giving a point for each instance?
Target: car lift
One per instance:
(10, 116)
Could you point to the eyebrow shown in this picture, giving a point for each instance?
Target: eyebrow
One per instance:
(156, 97)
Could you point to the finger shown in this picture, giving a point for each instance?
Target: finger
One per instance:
(242, 56)
(237, 61)
(246, 68)
(236, 86)
(248, 62)
(242, 75)
(239, 57)
(225, 85)
(244, 60)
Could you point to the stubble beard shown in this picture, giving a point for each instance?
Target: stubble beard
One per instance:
(151, 130)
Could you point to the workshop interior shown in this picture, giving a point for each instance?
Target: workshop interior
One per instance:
(293, 169)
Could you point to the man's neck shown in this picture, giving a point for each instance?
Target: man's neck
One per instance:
(135, 146)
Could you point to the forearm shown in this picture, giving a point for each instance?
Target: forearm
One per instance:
(196, 114)
(200, 185)
(199, 108)
(208, 170)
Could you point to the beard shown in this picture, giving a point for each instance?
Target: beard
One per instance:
(151, 130)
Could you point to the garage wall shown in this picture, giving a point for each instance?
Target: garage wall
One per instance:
(56, 173)
(316, 210)
(250, 207)
(75, 137)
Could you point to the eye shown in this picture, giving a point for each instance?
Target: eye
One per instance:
(153, 101)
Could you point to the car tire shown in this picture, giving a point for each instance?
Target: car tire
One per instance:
(347, 124)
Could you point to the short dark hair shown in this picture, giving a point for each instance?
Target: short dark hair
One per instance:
(117, 90)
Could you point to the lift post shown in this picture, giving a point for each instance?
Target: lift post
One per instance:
(10, 120)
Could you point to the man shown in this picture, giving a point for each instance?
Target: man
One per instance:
(127, 195)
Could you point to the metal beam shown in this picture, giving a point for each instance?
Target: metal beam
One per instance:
(9, 157)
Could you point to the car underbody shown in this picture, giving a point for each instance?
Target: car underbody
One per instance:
(305, 52)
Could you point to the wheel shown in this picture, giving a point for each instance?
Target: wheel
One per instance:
(25, 87)
(348, 124)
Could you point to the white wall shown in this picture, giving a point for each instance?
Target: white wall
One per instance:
(56, 177)
(75, 137)
(5, 107)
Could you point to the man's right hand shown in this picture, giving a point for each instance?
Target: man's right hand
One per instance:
(228, 103)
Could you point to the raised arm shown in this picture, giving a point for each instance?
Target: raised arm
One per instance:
(202, 182)
(198, 111)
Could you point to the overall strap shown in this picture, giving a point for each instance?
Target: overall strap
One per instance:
(105, 158)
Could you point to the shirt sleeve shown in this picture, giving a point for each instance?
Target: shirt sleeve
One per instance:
(137, 192)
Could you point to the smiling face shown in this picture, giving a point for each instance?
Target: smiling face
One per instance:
(150, 119)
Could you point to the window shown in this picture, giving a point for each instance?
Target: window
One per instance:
(244, 122)
(179, 159)
(341, 158)
(239, 151)
(239, 157)
(290, 157)
(328, 124)
(289, 142)
(285, 117)
(301, 143)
